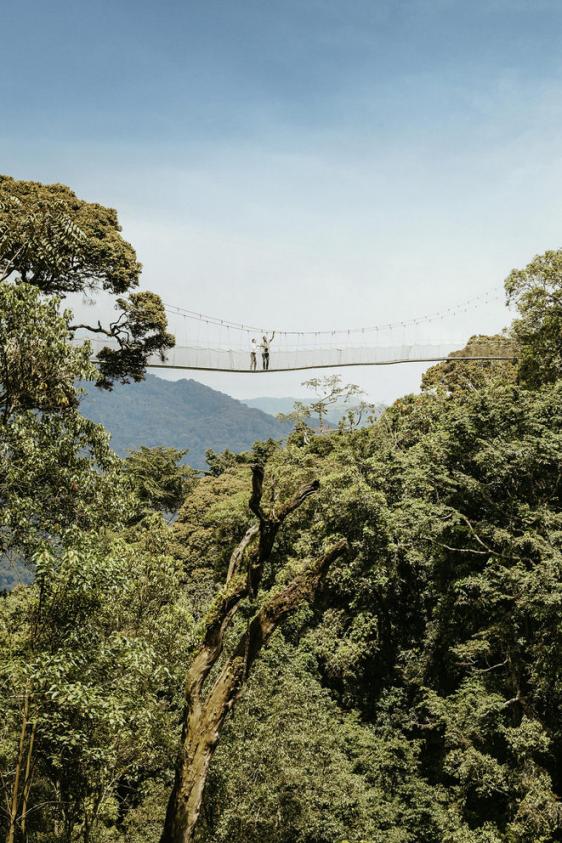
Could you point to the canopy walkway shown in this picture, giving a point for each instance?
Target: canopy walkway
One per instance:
(207, 343)
(299, 359)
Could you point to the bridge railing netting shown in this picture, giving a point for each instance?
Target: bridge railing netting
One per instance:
(283, 359)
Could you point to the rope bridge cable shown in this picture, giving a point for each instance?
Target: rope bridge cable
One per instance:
(474, 302)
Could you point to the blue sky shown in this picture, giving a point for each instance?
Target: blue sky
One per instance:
(312, 162)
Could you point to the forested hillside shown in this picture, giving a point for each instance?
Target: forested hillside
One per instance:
(354, 636)
(180, 414)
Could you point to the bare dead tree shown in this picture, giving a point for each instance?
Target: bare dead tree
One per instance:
(206, 709)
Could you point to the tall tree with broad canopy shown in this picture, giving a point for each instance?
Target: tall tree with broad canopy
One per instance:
(61, 244)
(536, 290)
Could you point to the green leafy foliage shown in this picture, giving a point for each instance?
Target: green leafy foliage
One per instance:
(51, 239)
(160, 483)
(442, 631)
(315, 773)
(416, 700)
(96, 647)
(330, 393)
(536, 290)
(139, 332)
(61, 244)
(458, 376)
(56, 469)
(38, 366)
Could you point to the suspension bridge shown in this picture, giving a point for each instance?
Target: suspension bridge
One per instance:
(207, 343)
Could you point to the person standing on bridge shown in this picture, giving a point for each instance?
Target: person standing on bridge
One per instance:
(264, 345)
(253, 354)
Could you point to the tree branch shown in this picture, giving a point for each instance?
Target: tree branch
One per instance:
(260, 629)
(98, 330)
(303, 493)
(238, 552)
(226, 606)
(257, 491)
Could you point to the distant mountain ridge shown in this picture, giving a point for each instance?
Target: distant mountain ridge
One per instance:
(179, 414)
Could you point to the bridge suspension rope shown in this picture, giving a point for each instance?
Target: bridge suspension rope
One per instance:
(474, 302)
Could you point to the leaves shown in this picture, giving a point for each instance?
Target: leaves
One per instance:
(536, 290)
(60, 244)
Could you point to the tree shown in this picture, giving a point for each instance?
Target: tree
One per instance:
(160, 482)
(536, 291)
(89, 682)
(218, 462)
(38, 366)
(330, 392)
(56, 467)
(205, 714)
(61, 244)
(456, 376)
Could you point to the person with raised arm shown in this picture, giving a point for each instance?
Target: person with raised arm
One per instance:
(264, 345)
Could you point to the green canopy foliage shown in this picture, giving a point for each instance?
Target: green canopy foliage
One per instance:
(160, 483)
(51, 239)
(458, 376)
(443, 631)
(56, 467)
(416, 700)
(536, 291)
(38, 366)
(94, 654)
(61, 244)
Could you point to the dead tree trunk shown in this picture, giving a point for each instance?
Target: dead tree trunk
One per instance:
(205, 713)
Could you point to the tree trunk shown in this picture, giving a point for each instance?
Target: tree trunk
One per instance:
(204, 723)
(201, 735)
(14, 802)
(204, 715)
(27, 783)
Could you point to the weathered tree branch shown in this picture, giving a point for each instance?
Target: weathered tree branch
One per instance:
(226, 606)
(238, 553)
(274, 610)
(205, 714)
(303, 493)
